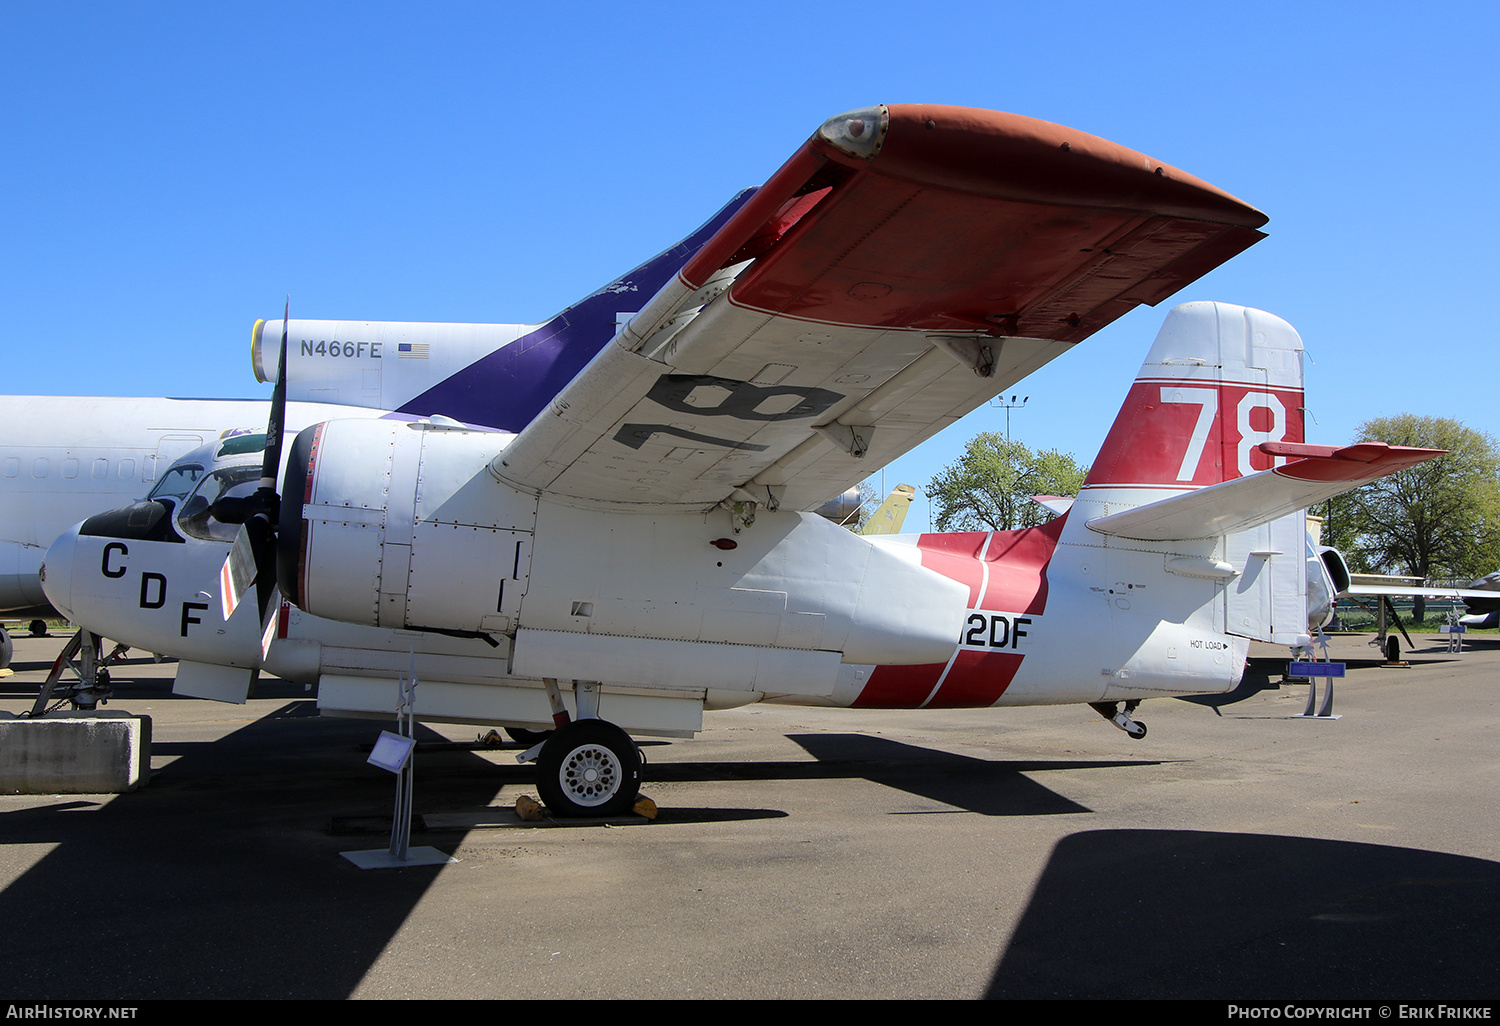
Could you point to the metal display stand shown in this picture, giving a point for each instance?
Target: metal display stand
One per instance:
(1312, 669)
(397, 753)
(1455, 632)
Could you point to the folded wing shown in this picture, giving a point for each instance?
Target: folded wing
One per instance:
(905, 265)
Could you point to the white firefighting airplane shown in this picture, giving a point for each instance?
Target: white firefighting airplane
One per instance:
(640, 536)
(63, 458)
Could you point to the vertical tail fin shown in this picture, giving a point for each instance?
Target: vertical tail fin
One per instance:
(529, 372)
(1219, 380)
(892, 512)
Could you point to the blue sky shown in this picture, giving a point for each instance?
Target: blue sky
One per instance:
(170, 172)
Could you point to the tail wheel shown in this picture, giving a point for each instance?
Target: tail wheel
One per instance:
(589, 768)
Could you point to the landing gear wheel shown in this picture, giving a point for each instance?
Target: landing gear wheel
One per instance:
(38, 628)
(589, 768)
(1392, 649)
(522, 736)
(7, 648)
(1138, 731)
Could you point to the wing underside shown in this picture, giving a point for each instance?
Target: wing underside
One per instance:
(907, 264)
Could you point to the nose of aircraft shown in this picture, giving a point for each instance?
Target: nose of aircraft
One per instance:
(57, 571)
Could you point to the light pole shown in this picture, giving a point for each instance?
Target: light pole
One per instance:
(1007, 407)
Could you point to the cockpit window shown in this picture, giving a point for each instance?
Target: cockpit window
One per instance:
(177, 482)
(231, 481)
(239, 445)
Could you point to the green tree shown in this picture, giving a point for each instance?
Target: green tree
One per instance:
(1438, 519)
(990, 487)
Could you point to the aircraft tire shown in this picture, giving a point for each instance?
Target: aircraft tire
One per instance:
(1392, 649)
(7, 648)
(589, 768)
(39, 628)
(1138, 731)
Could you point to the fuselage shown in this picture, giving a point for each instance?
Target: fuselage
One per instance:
(64, 458)
(497, 590)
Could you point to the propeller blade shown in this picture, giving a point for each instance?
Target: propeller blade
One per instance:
(268, 628)
(271, 466)
(252, 557)
(237, 573)
(261, 534)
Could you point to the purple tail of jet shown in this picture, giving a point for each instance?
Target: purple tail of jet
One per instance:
(508, 387)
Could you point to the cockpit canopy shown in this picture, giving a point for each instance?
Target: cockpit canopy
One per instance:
(226, 467)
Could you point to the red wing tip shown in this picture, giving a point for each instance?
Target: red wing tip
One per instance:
(963, 146)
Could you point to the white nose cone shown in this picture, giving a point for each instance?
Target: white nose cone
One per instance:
(57, 572)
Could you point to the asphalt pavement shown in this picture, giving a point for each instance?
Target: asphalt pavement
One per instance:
(1235, 853)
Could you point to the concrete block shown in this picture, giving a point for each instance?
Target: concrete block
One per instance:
(75, 753)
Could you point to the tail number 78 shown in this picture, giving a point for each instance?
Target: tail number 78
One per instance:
(1207, 401)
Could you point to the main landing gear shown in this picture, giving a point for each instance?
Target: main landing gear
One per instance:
(588, 766)
(1112, 712)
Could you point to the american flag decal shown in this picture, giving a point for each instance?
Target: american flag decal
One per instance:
(412, 350)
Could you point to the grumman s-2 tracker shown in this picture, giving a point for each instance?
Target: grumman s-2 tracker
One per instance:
(644, 538)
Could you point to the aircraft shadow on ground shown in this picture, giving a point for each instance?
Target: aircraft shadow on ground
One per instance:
(989, 788)
(221, 878)
(1189, 914)
(1260, 675)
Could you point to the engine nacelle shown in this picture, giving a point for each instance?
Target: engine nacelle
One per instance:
(402, 525)
(397, 524)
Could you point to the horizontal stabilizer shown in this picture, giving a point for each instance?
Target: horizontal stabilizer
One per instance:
(1058, 504)
(1245, 502)
(1412, 591)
